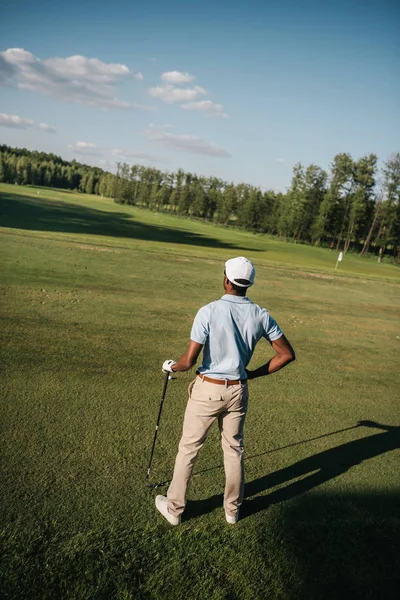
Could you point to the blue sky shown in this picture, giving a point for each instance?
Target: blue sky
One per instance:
(240, 90)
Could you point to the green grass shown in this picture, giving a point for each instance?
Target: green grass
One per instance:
(95, 296)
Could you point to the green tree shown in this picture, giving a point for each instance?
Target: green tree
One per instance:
(315, 190)
(89, 186)
(270, 211)
(361, 207)
(389, 226)
(341, 190)
(199, 202)
(3, 168)
(164, 193)
(186, 195)
(226, 204)
(290, 223)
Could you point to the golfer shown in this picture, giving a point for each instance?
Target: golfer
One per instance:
(229, 330)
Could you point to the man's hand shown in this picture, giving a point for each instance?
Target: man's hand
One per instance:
(167, 366)
(249, 374)
(284, 354)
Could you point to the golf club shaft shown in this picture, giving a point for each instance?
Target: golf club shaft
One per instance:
(158, 422)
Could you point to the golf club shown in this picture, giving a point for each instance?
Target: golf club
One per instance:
(155, 485)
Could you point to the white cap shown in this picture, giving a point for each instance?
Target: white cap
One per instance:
(240, 268)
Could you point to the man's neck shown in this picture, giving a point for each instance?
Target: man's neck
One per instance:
(234, 293)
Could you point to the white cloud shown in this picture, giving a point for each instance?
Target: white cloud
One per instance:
(139, 76)
(81, 68)
(185, 143)
(207, 107)
(14, 121)
(73, 79)
(177, 77)
(280, 160)
(45, 127)
(169, 94)
(190, 97)
(6, 71)
(85, 148)
(127, 154)
(144, 107)
(17, 122)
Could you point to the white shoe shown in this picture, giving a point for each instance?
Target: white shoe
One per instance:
(232, 520)
(162, 506)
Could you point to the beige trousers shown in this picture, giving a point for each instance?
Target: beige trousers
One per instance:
(208, 402)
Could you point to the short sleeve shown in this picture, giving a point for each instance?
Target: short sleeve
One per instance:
(272, 330)
(201, 326)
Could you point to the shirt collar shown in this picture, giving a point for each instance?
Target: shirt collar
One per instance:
(237, 299)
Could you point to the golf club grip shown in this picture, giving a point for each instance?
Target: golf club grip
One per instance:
(167, 374)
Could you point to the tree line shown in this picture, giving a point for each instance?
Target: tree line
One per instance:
(21, 166)
(353, 205)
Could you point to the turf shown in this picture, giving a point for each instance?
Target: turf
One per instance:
(94, 297)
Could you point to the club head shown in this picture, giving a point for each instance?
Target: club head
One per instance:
(154, 486)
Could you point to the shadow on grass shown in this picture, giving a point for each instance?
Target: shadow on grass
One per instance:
(335, 546)
(39, 214)
(324, 545)
(314, 470)
(338, 545)
(318, 437)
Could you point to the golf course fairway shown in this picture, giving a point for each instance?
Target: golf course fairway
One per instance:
(95, 296)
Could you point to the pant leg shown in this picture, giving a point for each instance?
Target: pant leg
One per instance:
(201, 412)
(231, 423)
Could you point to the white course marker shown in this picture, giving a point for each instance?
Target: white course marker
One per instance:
(340, 258)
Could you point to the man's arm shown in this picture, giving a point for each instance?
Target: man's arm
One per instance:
(284, 355)
(189, 358)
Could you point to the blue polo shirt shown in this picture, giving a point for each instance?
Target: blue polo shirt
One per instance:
(229, 329)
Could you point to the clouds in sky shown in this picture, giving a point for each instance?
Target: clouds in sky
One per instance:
(85, 149)
(73, 79)
(207, 107)
(17, 122)
(47, 128)
(190, 97)
(126, 154)
(177, 77)
(6, 71)
(92, 82)
(156, 135)
(169, 93)
(185, 143)
(14, 121)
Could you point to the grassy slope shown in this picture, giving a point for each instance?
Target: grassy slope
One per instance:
(95, 297)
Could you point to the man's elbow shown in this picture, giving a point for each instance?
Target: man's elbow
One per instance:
(291, 356)
(192, 362)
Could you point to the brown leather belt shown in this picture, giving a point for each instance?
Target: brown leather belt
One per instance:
(222, 381)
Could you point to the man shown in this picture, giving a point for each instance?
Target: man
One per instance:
(229, 330)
